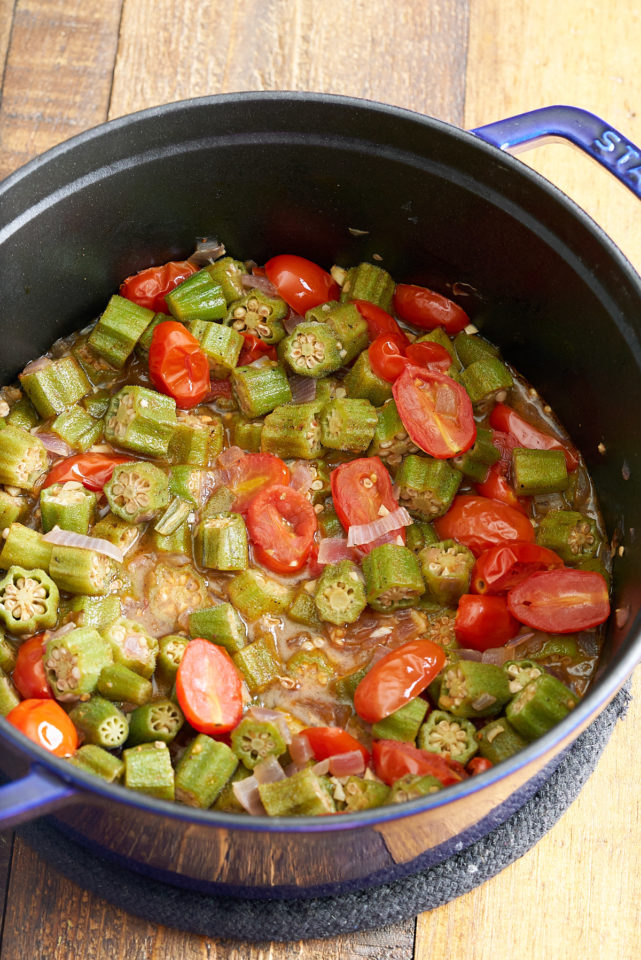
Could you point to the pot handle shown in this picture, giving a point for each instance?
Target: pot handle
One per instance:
(34, 795)
(585, 130)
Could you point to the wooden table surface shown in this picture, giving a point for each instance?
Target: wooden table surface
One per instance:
(70, 64)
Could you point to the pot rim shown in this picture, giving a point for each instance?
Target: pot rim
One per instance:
(587, 709)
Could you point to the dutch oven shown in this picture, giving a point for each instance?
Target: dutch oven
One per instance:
(301, 173)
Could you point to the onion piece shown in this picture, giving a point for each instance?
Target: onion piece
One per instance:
(246, 792)
(272, 716)
(496, 655)
(207, 250)
(254, 281)
(291, 321)
(332, 550)
(321, 768)
(54, 444)
(347, 764)
(302, 476)
(36, 365)
(361, 533)
(67, 538)
(303, 388)
(230, 457)
(300, 750)
(269, 770)
(468, 654)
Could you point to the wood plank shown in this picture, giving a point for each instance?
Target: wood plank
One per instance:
(6, 856)
(58, 74)
(6, 20)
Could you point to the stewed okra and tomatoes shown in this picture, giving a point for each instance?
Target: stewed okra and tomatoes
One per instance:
(288, 541)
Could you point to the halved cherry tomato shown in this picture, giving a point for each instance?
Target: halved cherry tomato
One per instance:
(397, 678)
(386, 357)
(432, 356)
(359, 489)
(394, 760)
(328, 741)
(209, 688)
(480, 523)
(497, 487)
(427, 309)
(484, 622)
(478, 765)
(177, 365)
(436, 412)
(149, 287)
(378, 320)
(92, 470)
(502, 567)
(29, 672)
(281, 524)
(301, 283)
(253, 349)
(46, 723)
(506, 419)
(561, 601)
(251, 474)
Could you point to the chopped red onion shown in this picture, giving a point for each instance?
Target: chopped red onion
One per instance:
(468, 654)
(60, 632)
(484, 700)
(207, 250)
(246, 792)
(361, 533)
(291, 769)
(333, 549)
(36, 365)
(321, 768)
(520, 639)
(67, 538)
(303, 476)
(303, 388)
(496, 655)
(275, 716)
(255, 281)
(54, 444)
(300, 750)
(291, 321)
(347, 764)
(269, 770)
(230, 457)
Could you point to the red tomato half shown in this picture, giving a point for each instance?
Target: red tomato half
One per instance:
(177, 365)
(480, 523)
(386, 357)
(478, 765)
(500, 568)
(436, 412)
(394, 759)
(149, 287)
(426, 309)
(281, 524)
(397, 678)
(378, 320)
(484, 622)
(29, 672)
(329, 741)
(359, 489)
(253, 349)
(497, 487)
(92, 470)
(561, 601)
(525, 434)
(251, 474)
(46, 723)
(301, 283)
(209, 688)
(432, 356)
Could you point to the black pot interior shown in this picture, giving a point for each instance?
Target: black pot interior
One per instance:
(293, 173)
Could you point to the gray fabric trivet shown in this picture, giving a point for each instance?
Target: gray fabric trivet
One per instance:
(222, 917)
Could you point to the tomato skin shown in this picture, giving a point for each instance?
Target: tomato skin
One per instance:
(219, 389)
(177, 365)
(397, 678)
(149, 287)
(500, 568)
(497, 487)
(281, 524)
(394, 760)
(427, 309)
(46, 723)
(421, 397)
(29, 672)
(386, 357)
(478, 765)
(525, 434)
(209, 688)
(480, 523)
(357, 502)
(561, 601)
(92, 470)
(301, 283)
(251, 474)
(379, 321)
(253, 349)
(329, 741)
(484, 622)
(432, 356)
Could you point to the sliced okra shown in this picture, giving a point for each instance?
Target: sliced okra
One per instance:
(77, 570)
(362, 383)
(330, 388)
(25, 547)
(23, 414)
(440, 627)
(174, 591)
(536, 472)
(319, 313)
(258, 663)
(221, 543)
(520, 673)
(100, 722)
(73, 663)
(541, 704)
(445, 734)
(203, 770)
(573, 535)
(7, 655)
(171, 650)
(393, 577)
(55, 386)
(302, 794)
(259, 390)
(498, 740)
(245, 433)
(141, 420)
(348, 425)
(144, 341)
(311, 665)
(221, 501)
(321, 485)
(9, 696)
(117, 682)
(293, 430)
(419, 535)
(471, 347)
(229, 274)
(476, 462)
(486, 380)
(148, 769)
(178, 541)
(413, 786)
(119, 329)
(303, 609)
(68, 505)
(403, 724)
(28, 601)
(362, 794)
(227, 801)
(12, 508)
(189, 483)
(156, 720)
(96, 404)
(328, 523)
(196, 439)
(23, 458)
(369, 282)
(199, 297)
(349, 328)
(340, 593)
(131, 645)
(137, 491)
(254, 740)
(94, 611)
(344, 687)
(447, 570)
(472, 689)
(99, 762)
(117, 531)
(311, 350)
(97, 370)
(426, 486)
(173, 517)
(254, 594)
(221, 625)
(439, 336)
(259, 315)
(391, 440)
(220, 344)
